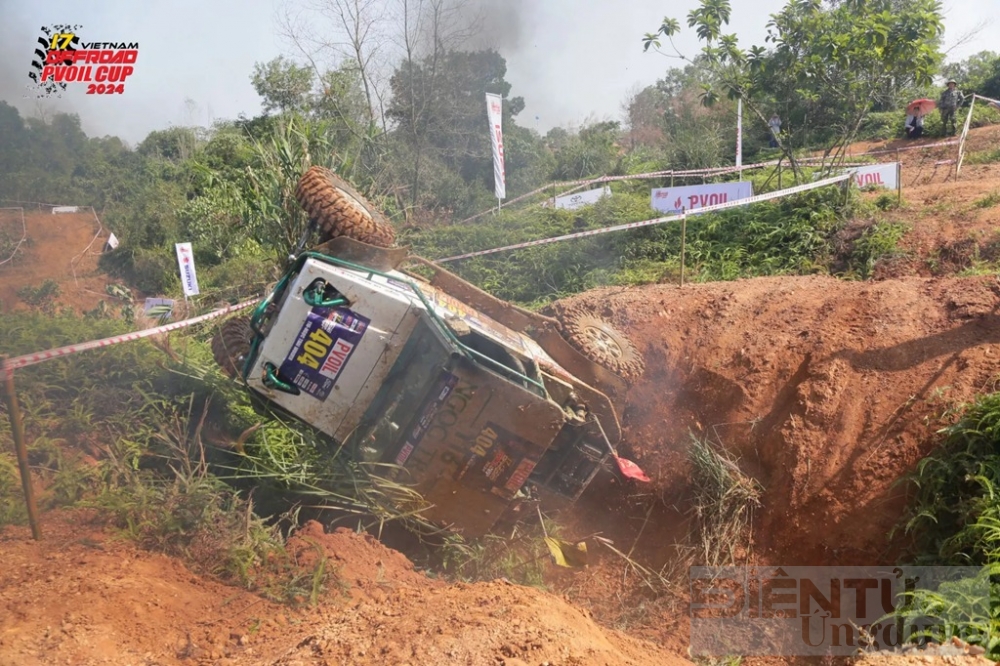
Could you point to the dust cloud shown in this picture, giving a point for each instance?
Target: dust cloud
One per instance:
(500, 24)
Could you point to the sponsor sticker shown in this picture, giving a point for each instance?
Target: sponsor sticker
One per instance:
(323, 348)
(498, 462)
(432, 403)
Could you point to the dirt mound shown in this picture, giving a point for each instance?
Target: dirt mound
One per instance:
(827, 390)
(63, 248)
(486, 623)
(359, 560)
(918, 659)
(81, 597)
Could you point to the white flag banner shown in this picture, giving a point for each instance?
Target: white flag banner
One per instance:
(112, 242)
(185, 259)
(739, 133)
(494, 109)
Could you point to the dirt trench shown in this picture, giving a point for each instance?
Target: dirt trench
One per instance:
(829, 392)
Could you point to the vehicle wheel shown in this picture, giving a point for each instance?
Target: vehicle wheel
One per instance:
(231, 345)
(602, 343)
(339, 210)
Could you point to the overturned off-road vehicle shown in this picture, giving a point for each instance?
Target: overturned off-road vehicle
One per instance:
(474, 402)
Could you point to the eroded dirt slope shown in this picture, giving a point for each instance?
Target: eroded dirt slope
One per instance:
(63, 248)
(82, 598)
(828, 390)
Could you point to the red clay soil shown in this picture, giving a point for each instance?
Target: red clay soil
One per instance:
(829, 391)
(952, 220)
(890, 659)
(80, 597)
(57, 247)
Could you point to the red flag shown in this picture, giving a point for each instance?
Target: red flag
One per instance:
(631, 470)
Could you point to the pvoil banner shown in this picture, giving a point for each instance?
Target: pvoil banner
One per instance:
(494, 108)
(692, 197)
(185, 259)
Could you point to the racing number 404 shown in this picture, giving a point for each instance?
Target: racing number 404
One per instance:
(315, 349)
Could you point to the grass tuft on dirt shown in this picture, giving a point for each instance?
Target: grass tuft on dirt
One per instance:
(724, 500)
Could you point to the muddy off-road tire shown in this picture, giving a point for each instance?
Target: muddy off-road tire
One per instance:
(231, 344)
(602, 343)
(339, 210)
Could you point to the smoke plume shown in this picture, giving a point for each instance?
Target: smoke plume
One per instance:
(499, 24)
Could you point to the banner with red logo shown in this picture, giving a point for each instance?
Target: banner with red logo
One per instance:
(693, 197)
(877, 175)
(494, 109)
(185, 259)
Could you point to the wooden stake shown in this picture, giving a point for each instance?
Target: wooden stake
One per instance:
(684, 228)
(17, 431)
(899, 180)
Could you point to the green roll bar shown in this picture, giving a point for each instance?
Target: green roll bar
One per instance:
(258, 313)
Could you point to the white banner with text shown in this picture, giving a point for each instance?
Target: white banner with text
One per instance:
(580, 199)
(692, 197)
(879, 175)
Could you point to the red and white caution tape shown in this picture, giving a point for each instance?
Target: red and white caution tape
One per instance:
(39, 357)
(659, 220)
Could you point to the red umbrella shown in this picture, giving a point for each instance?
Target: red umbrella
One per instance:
(920, 107)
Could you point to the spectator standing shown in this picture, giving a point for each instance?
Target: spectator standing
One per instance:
(775, 126)
(951, 99)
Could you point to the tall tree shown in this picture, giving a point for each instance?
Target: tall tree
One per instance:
(439, 105)
(829, 64)
(284, 85)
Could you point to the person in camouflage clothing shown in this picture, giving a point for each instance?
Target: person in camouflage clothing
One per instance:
(951, 99)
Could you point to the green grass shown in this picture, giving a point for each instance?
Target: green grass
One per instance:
(879, 241)
(724, 501)
(520, 555)
(982, 157)
(954, 519)
(988, 201)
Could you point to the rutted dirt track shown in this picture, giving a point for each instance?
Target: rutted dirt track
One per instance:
(63, 248)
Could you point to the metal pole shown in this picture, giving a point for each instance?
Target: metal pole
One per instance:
(684, 228)
(17, 432)
(899, 182)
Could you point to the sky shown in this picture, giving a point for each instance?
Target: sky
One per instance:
(572, 60)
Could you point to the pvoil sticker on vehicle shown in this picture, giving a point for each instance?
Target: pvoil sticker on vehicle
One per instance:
(323, 348)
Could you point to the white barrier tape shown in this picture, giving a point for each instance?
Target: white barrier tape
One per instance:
(37, 203)
(38, 357)
(939, 144)
(712, 171)
(659, 220)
